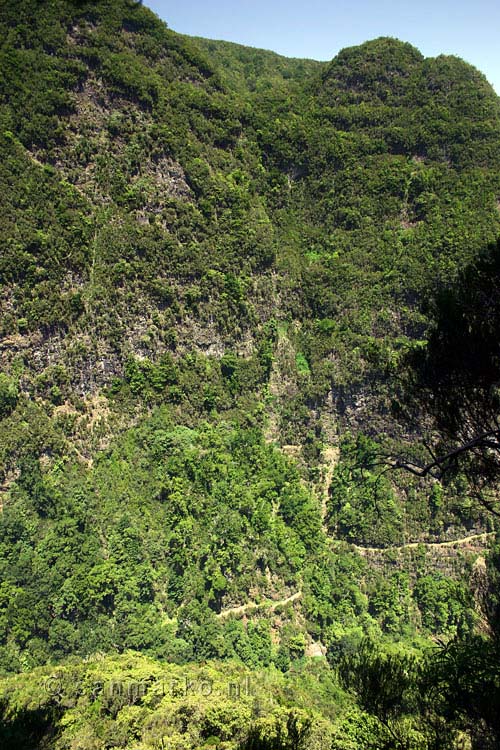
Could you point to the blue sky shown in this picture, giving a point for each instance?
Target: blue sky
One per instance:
(318, 29)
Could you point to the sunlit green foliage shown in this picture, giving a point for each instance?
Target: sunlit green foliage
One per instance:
(211, 265)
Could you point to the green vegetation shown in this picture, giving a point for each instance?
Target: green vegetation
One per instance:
(131, 701)
(212, 266)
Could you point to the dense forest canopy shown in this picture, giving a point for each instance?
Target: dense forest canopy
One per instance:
(230, 282)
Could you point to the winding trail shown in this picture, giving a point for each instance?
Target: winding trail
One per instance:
(270, 604)
(331, 455)
(462, 542)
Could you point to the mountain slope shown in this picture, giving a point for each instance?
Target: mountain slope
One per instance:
(212, 260)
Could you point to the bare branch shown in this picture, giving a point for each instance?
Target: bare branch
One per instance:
(440, 462)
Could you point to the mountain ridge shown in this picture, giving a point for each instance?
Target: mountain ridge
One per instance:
(213, 263)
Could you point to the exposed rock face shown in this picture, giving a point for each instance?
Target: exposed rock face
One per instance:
(212, 265)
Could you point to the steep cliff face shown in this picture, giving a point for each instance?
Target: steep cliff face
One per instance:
(162, 197)
(212, 261)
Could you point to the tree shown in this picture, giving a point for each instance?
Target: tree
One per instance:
(460, 685)
(450, 388)
(386, 687)
(9, 394)
(292, 736)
